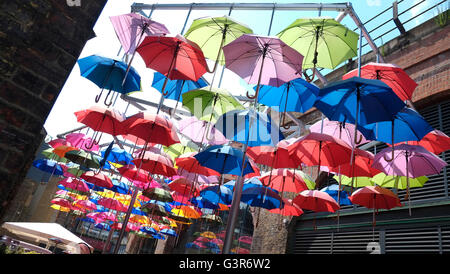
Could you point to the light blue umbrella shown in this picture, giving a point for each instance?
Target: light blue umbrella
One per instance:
(175, 88)
(333, 191)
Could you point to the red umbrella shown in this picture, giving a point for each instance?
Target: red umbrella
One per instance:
(189, 162)
(74, 184)
(276, 157)
(316, 149)
(156, 164)
(180, 198)
(362, 165)
(245, 239)
(255, 168)
(184, 187)
(152, 128)
(435, 141)
(286, 180)
(63, 203)
(99, 179)
(289, 209)
(112, 204)
(79, 140)
(85, 205)
(315, 200)
(58, 142)
(132, 173)
(175, 57)
(392, 75)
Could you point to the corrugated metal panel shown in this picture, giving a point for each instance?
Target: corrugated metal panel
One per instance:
(445, 238)
(312, 243)
(353, 241)
(416, 240)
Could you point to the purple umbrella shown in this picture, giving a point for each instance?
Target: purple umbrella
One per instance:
(345, 132)
(201, 179)
(201, 131)
(410, 161)
(263, 60)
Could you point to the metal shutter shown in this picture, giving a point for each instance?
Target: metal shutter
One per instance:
(417, 240)
(312, 243)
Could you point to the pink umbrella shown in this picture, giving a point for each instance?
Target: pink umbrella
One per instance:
(79, 140)
(339, 130)
(203, 179)
(58, 142)
(201, 131)
(246, 239)
(263, 60)
(85, 204)
(74, 184)
(100, 217)
(130, 227)
(112, 204)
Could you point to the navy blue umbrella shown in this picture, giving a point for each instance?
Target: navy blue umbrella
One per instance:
(48, 166)
(120, 187)
(174, 88)
(148, 230)
(109, 74)
(333, 191)
(224, 159)
(201, 202)
(115, 155)
(249, 126)
(168, 232)
(358, 101)
(261, 196)
(217, 194)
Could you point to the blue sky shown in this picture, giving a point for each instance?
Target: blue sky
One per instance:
(78, 93)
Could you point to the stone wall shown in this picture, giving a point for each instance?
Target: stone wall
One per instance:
(40, 41)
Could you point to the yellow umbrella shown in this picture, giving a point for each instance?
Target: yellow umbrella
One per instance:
(187, 212)
(208, 234)
(60, 208)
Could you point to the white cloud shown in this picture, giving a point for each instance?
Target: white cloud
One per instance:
(372, 3)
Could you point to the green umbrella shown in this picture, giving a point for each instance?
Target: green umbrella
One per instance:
(76, 171)
(48, 153)
(358, 181)
(158, 194)
(398, 182)
(212, 218)
(152, 209)
(83, 158)
(322, 41)
(209, 103)
(212, 33)
(176, 150)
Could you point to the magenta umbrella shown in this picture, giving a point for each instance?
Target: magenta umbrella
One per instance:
(79, 140)
(263, 60)
(203, 179)
(410, 161)
(74, 184)
(201, 131)
(345, 132)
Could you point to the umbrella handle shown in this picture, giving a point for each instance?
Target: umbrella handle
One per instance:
(208, 130)
(358, 140)
(250, 97)
(284, 119)
(98, 96)
(110, 101)
(310, 79)
(392, 157)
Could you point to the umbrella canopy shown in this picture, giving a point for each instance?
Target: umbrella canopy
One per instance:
(217, 194)
(249, 126)
(398, 182)
(261, 196)
(112, 204)
(154, 209)
(152, 128)
(48, 166)
(358, 101)
(263, 60)
(297, 95)
(186, 211)
(392, 75)
(212, 33)
(274, 156)
(320, 149)
(176, 150)
(435, 141)
(175, 88)
(288, 180)
(85, 205)
(340, 196)
(189, 162)
(81, 141)
(102, 120)
(375, 197)
(315, 200)
(132, 28)
(117, 156)
(48, 153)
(288, 209)
(210, 103)
(323, 41)
(225, 160)
(174, 57)
(357, 181)
(201, 131)
(74, 184)
(361, 165)
(132, 173)
(159, 194)
(156, 164)
(339, 130)
(169, 232)
(184, 186)
(109, 74)
(58, 142)
(83, 158)
(99, 179)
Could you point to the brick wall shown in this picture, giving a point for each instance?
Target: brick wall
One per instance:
(40, 41)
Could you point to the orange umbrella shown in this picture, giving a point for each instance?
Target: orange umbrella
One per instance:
(62, 150)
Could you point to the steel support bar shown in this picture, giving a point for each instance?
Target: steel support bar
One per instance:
(164, 108)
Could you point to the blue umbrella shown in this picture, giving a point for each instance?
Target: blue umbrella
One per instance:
(224, 159)
(103, 226)
(109, 74)
(261, 196)
(115, 155)
(201, 202)
(192, 245)
(48, 166)
(168, 232)
(248, 183)
(358, 101)
(120, 187)
(235, 126)
(158, 236)
(332, 190)
(148, 230)
(297, 95)
(174, 88)
(407, 125)
(217, 194)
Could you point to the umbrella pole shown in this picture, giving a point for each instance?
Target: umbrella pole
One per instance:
(407, 183)
(134, 53)
(339, 197)
(178, 100)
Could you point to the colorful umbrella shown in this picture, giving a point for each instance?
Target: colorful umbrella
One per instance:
(398, 182)
(48, 153)
(275, 157)
(159, 194)
(315, 200)
(79, 140)
(217, 194)
(156, 164)
(339, 130)
(186, 211)
(288, 209)
(357, 181)
(83, 158)
(175, 88)
(261, 196)
(48, 166)
(392, 75)
(361, 165)
(190, 163)
(58, 142)
(74, 184)
(288, 180)
(201, 131)
(341, 196)
(435, 141)
(112, 204)
(99, 179)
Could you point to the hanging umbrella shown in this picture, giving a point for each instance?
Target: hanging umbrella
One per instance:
(83, 158)
(212, 33)
(361, 165)
(169, 232)
(79, 140)
(225, 160)
(48, 153)
(109, 74)
(435, 141)
(190, 163)
(212, 218)
(217, 194)
(112, 204)
(58, 142)
(184, 186)
(154, 209)
(262, 60)
(151, 128)
(323, 41)
(175, 88)
(156, 164)
(129, 227)
(186, 211)
(261, 196)
(288, 180)
(132, 173)
(210, 103)
(357, 181)
(375, 197)
(176, 150)
(392, 75)
(339, 130)
(274, 156)
(74, 184)
(341, 196)
(48, 166)
(99, 179)
(201, 131)
(249, 126)
(317, 149)
(201, 179)
(159, 194)
(201, 202)
(61, 151)
(315, 200)
(288, 209)
(398, 182)
(116, 156)
(85, 205)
